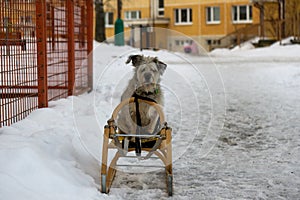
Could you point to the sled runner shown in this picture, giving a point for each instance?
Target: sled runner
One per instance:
(154, 145)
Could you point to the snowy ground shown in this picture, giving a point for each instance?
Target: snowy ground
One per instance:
(235, 119)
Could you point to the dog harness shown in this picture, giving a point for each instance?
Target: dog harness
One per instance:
(138, 142)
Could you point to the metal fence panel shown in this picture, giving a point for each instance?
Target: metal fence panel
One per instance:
(45, 47)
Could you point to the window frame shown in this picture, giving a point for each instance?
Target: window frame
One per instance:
(6, 21)
(189, 16)
(249, 14)
(28, 19)
(138, 14)
(160, 9)
(107, 19)
(211, 10)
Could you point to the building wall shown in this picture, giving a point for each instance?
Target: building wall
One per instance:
(128, 5)
(198, 29)
(187, 29)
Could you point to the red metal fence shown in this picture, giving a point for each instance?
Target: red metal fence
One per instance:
(45, 48)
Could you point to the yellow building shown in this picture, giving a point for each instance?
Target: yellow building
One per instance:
(279, 18)
(211, 23)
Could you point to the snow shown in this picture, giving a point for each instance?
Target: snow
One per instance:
(235, 119)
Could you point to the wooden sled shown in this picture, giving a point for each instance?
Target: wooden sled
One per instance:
(113, 140)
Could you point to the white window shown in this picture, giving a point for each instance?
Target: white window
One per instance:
(242, 14)
(161, 8)
(109, 19)
(26, 19)
(213, 15)
(6, 21)
(183, 42)
(132, 15)
(183, 16)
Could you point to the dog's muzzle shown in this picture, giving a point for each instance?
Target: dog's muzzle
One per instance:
(147, 77)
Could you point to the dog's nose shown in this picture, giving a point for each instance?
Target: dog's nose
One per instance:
(147, 76)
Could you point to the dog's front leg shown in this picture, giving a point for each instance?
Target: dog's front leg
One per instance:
(153, 116)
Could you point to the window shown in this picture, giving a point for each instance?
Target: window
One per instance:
(6, 24)
(6, 21)
(132, 15)
(242, 14)
(161, 8)
(183, 42)
(28, 19)
(183, 16)
(213, 15)
(109, 19)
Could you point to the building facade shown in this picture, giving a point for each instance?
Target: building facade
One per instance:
(279, 18)
(211, 23)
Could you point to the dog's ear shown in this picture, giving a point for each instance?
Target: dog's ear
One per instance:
(136, 60)
(160, 66)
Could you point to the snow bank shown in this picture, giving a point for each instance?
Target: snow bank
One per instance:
(39, 160)
(274, 52)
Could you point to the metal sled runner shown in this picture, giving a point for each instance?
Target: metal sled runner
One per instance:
(160, 146)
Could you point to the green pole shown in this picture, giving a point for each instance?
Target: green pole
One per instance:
(119, 32)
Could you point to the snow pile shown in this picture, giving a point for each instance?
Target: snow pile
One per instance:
(39, 160)
(252, 151)
(278, 50)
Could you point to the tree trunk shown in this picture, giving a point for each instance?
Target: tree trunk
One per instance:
(100, 22)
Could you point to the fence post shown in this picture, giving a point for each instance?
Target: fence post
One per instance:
(71, 49)
(90, 16)
(52, 28)
(41, 53)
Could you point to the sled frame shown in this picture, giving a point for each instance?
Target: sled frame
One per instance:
(163, 151)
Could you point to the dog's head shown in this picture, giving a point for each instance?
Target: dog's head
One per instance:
(148, 69)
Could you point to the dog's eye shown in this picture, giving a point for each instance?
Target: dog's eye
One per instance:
(154, 70)
(143, 70)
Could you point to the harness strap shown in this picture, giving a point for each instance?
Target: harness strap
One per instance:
(138, 144)
(136, 96)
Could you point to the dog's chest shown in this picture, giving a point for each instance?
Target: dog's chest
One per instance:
(146, 113)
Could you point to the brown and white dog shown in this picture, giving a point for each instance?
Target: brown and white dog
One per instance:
(144, 83)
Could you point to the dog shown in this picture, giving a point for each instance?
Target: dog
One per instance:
(144, 83)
